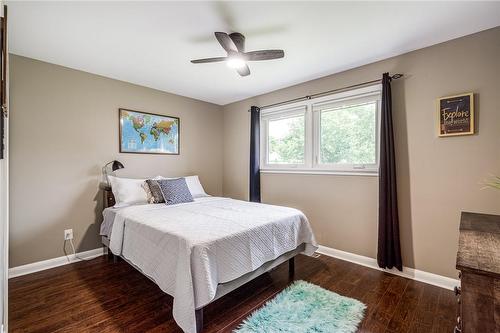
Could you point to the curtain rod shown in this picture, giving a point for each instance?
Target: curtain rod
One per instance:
(308, 97)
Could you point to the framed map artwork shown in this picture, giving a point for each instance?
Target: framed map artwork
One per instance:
(148, 133)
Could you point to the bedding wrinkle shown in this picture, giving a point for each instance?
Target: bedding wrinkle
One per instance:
(191, 248)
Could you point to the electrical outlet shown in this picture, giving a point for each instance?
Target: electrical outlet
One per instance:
(68, 234)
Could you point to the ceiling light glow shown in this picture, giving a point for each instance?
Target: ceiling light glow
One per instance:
(236, 62)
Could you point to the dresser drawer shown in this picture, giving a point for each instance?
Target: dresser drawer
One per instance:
(478, 260)
(477, 304)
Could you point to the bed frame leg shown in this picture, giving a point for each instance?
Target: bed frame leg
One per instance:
(110, 254)
(291, 268)
(107, 252)
(199, 320)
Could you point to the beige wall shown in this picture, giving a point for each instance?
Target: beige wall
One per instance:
(437, 177)
(64, 128)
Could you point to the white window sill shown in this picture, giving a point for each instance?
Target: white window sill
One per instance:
(323, 172)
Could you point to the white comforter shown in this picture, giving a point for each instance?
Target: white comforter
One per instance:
(188, 249)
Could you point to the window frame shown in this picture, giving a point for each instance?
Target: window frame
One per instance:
(317, 108)
(312, 109)
(277, 114)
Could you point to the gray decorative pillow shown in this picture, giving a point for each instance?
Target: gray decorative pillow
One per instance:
(175, 191)
(156, 195)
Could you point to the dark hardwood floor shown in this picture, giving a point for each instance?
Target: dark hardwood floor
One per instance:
(99, 296)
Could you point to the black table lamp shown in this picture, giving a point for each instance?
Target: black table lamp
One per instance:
(115, 165)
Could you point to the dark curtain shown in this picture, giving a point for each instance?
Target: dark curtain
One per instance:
(389, 251)
(254, 154)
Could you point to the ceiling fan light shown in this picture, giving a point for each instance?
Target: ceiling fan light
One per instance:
(236, 62)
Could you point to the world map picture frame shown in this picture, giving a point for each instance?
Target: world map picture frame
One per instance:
(148, 133)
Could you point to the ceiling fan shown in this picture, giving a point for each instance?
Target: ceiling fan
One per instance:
(237, 58)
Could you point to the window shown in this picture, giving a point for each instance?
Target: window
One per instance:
(285, 140)
(336, 133)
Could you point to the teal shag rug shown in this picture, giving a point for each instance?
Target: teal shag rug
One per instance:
(305, 308)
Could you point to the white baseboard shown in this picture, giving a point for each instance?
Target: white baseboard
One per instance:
(410, 273)
(55, 262)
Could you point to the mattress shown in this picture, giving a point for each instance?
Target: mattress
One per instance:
(188, 249)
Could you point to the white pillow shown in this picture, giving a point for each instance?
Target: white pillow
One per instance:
(127, 191)
(194, 186)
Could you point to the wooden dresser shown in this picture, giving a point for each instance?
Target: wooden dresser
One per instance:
(478, 260)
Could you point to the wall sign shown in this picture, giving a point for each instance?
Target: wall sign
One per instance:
(456, 115)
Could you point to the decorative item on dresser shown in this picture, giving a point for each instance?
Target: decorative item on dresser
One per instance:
(478, 260)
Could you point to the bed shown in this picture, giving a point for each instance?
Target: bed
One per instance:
(199, 251)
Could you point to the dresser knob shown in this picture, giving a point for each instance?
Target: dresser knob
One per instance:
(457, 290)
(457, 330)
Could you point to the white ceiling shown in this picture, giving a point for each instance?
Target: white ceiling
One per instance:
(151, 43)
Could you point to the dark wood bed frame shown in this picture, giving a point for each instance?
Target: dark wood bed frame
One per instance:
(222, 288)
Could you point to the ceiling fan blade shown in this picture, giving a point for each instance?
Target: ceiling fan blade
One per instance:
(243, 71)
(264, 55)
(226, 42)
(202, 61)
